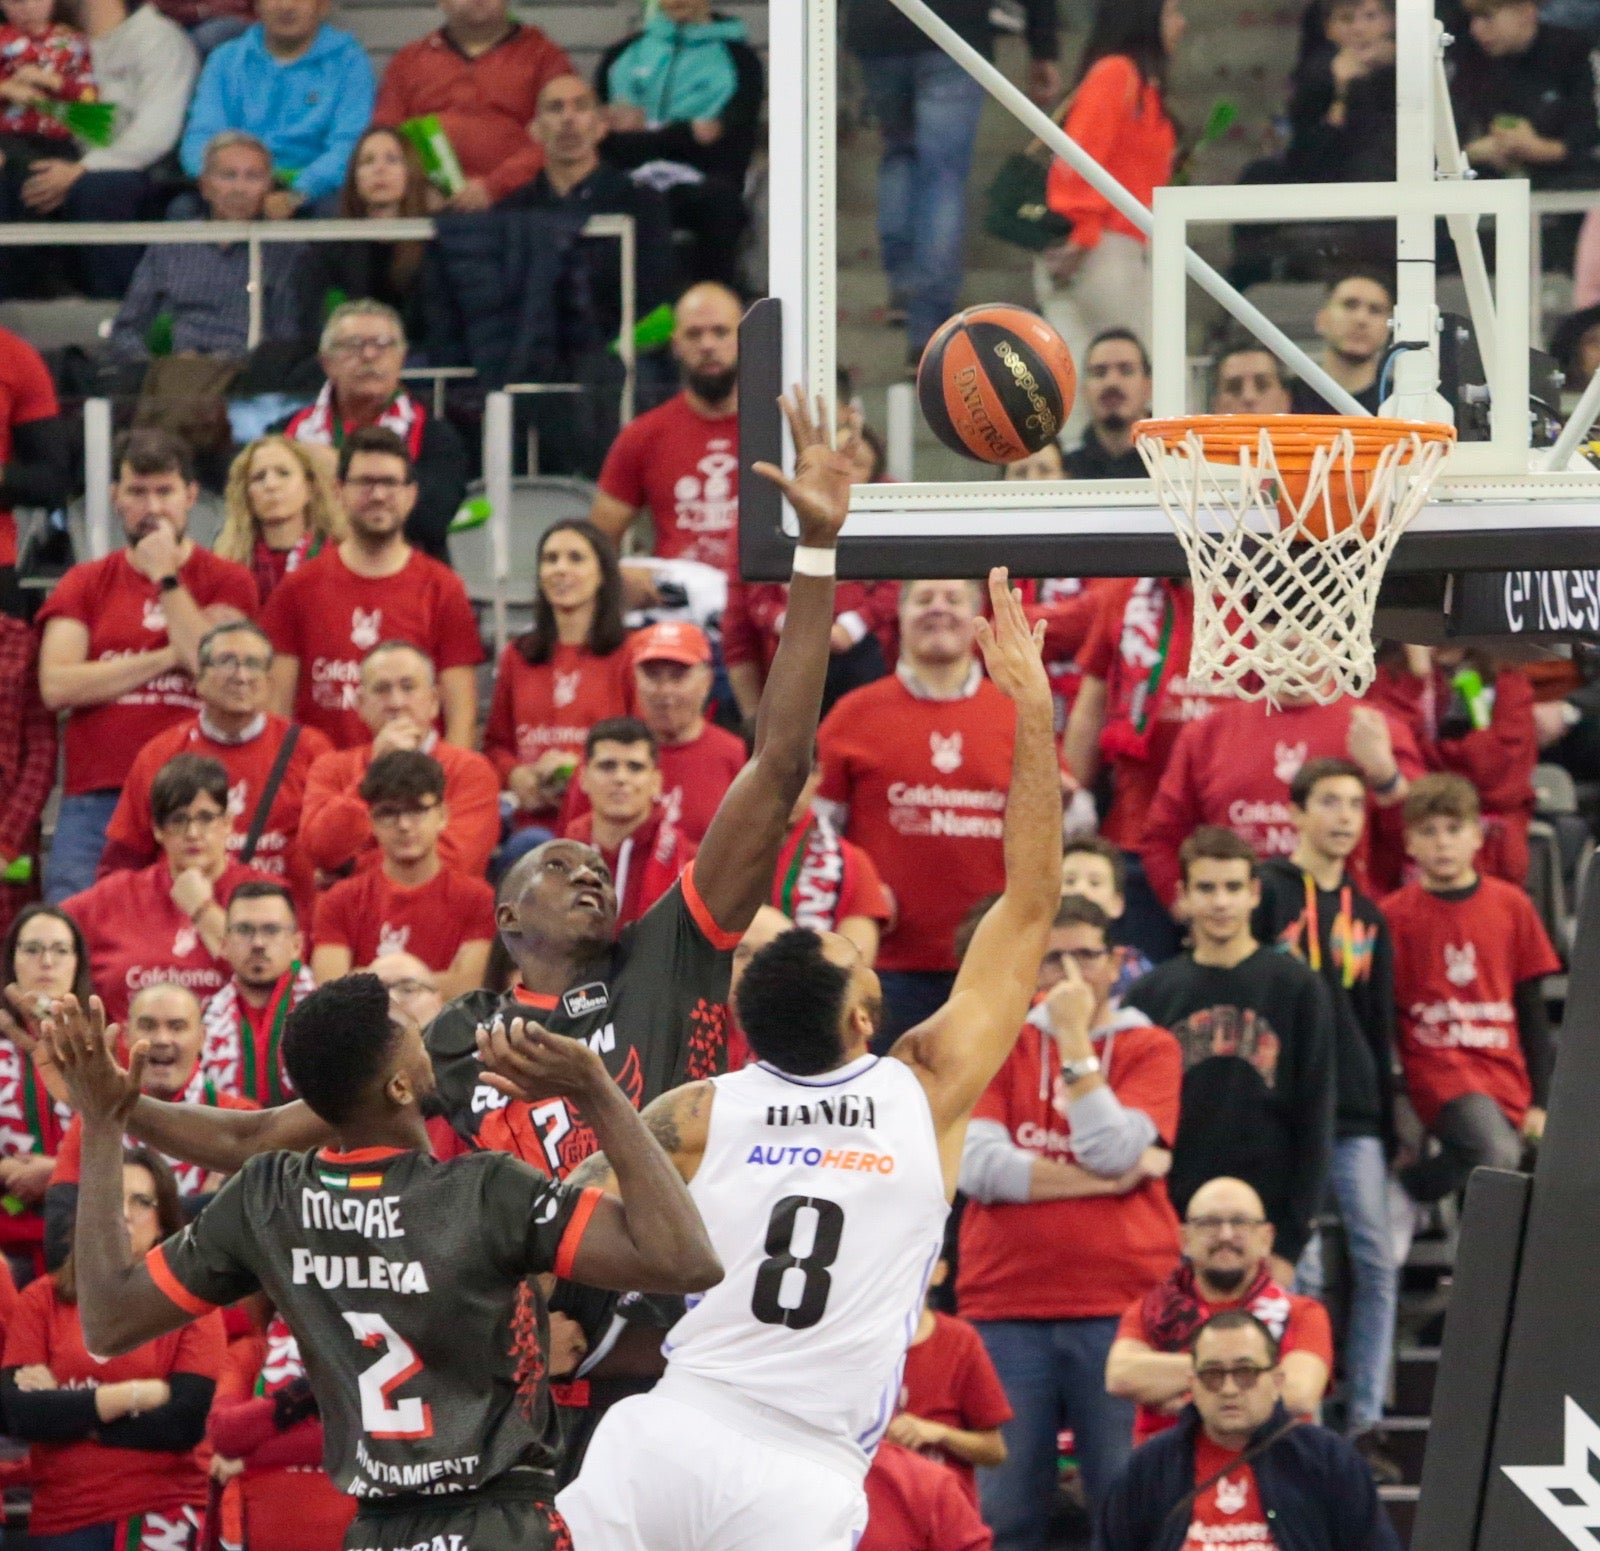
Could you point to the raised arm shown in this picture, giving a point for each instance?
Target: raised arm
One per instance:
(648, 1237)
(737, 857)
(963, 1045)
(120, 1306)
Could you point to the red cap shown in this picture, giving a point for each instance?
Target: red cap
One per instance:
(672, 641)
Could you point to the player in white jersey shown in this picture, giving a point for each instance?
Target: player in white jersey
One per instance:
(824, 1175)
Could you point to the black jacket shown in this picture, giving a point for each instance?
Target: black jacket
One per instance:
(1357, 966)
(876, 27)
(728, 156)
(1090, 460)
(1316, 1492)
(1258, 1081)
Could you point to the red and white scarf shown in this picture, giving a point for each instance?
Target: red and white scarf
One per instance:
(230, 1053)
(282, 1363)
(30, 1120)
(320, 427)
(1159, 617)
(815, 875)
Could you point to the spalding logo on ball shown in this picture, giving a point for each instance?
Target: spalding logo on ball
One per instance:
(996, 383)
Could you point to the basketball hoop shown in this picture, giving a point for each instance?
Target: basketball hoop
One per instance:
(1288, 522)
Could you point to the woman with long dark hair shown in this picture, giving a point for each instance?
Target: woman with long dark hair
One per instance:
(45, 957)
(567, 673)
(1098, 276)
(112, 1443)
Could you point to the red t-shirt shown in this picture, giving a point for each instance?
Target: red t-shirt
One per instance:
(327, 618)
(1228, 1513)
(916, 1505)
(1083, 1259)
(131, 836)
(26, 394)
(82, 1483)
(552, 705)
(685, 469)
(372, 915)
(1234, 768)
(138, 937)
(695, 776)
(1300, 1324)
(949, 1378)
(925, 783)
(121, 609)
(1123, 646)
(1457, 965)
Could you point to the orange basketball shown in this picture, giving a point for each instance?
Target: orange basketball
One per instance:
(996, 383)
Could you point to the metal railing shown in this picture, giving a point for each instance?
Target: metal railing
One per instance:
(1555, 202)
(70, 234)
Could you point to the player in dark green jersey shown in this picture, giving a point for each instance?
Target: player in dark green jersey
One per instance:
(408, 1283)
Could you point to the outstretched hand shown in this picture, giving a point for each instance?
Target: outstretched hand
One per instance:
(1013, 650)
(525, 1061)
(84, 1049)
(820, 489)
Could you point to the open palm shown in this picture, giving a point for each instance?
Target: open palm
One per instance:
(819, 492)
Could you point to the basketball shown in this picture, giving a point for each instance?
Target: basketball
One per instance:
(996, 383)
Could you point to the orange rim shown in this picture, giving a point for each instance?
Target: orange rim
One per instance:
(1224, 434)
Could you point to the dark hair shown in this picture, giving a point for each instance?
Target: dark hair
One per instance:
(1098, 845)
(1328, 9)
(1243, 345)
(971, 921)
(880, 452)
(379, 440)
(82, 988)
(1238, 1319)
(1213, 843)
(1075, 910)
(151, 451)
(1568, 336)
(1131, 28)
(259, 888)
(621, 729)
(606, 630)
(183, 778)
(1113, 335)
(338, 1043)
(169, 1213)
(402, 775)
(1314, 770)
(790, 1001)
(1360, 272)
(405, 258)
(1442, 796)
(230, 627)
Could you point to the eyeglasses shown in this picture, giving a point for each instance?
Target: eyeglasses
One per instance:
(46, 950)
(406, 989)
(142, 1204)
(367, 346)
(1084, 958)
(267, 931)
(232, 662)
(382, 485)
(1230, 1224)
(392, 813)
(186, 823)
(1244, 1375)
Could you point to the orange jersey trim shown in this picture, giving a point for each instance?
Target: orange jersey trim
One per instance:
(576, 1228)
(161, 1274)
(701, 912)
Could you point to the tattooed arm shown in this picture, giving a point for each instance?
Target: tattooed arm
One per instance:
(678, 1120)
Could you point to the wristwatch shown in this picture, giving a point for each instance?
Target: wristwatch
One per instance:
(1076, 1071)
(169, 583)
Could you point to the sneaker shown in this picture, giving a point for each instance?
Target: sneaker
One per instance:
(1373, 1448)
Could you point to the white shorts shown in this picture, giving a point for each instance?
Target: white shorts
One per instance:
(664, 1474)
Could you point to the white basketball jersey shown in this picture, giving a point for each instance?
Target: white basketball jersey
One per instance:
(825, 1200)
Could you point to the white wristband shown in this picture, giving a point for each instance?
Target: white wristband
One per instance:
(813, 560)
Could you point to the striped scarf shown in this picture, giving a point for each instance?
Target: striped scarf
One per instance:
(815, 875)
(232, 1053)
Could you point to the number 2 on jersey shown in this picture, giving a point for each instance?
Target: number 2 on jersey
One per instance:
(807, 1293)
(410, 1418)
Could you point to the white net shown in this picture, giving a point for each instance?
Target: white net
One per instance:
(1287, 562)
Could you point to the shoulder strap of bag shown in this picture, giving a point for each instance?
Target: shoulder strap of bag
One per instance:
(1036, 146)
(269, 793)
(1255, 1451)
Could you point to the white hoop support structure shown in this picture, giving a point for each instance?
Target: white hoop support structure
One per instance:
(1288, 523)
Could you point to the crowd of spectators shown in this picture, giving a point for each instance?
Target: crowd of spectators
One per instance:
(1294, 980)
